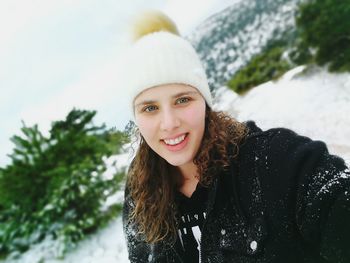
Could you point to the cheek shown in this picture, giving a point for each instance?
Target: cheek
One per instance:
(146, 127)
(196, 117)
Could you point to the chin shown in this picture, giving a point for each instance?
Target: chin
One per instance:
(177, 162)
(173, 162)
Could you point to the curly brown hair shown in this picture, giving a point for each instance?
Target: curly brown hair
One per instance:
(152, 181)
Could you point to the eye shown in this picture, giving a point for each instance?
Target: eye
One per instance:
(182, 100)
(149, 108)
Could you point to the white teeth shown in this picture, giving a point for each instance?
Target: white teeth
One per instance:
(175, 141)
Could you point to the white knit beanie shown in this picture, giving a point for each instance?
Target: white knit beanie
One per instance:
(163, 58)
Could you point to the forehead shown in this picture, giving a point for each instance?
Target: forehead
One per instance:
(164, 91)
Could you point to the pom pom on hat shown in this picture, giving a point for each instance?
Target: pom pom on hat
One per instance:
(160, 57)
(152, 21)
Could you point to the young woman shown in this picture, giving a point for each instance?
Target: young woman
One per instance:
(205, 188)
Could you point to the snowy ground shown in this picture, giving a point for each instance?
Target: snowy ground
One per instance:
(315, 104)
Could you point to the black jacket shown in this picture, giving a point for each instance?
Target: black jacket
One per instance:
(284, 199)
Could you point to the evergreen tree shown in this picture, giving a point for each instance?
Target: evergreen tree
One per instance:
(324, 26)
(55, 185)
(268, 65)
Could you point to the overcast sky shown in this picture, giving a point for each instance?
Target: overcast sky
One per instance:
(60, 54)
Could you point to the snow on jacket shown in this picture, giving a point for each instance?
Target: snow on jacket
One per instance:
(284, 199)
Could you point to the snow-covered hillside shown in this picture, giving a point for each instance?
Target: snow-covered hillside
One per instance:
(226, 41)
(315, 103)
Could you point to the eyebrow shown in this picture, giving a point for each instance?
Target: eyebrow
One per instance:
(145, 102)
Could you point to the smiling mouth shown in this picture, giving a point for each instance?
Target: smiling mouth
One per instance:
(175, 141)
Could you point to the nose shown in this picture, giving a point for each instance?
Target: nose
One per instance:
(169, 120)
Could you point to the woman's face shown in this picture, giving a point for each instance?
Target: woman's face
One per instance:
(171, 119)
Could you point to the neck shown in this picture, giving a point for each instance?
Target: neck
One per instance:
(188, 171)
(189, 179)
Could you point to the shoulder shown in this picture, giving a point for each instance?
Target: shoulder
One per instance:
(275, 135)
(285, 161)
(278, 143)
(283, 158)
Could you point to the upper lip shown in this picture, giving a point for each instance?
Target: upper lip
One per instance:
(175, 136)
